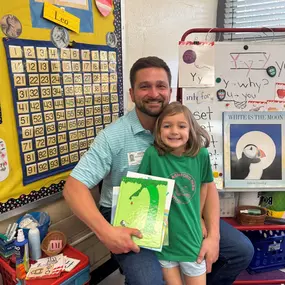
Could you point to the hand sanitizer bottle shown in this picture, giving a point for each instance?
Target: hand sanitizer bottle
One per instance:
(34, 243)
(22, 251)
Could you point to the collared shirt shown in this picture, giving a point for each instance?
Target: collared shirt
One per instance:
(117, 149)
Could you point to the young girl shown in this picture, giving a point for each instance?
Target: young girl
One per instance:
(179, 153)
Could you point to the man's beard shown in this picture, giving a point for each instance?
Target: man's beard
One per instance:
(141, 106)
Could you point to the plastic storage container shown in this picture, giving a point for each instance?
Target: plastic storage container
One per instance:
(77, 276)
(7, 272)
(42, 228)
(269, 250)
(82, 277)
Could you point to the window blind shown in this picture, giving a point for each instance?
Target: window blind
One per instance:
(254, 14)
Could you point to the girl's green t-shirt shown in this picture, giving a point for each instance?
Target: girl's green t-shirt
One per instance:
(184, 224)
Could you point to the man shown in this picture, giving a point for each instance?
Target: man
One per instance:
(119, 148)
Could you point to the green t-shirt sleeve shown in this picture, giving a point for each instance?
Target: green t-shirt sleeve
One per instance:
(207, 173)
(145, 167)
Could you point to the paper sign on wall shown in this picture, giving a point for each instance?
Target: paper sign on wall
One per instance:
(280, 91)
(275, 105)
(61, 17)
(77, 4)
(4, 166)
(196, 64)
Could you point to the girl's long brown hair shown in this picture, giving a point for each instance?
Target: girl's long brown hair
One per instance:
(198, 137)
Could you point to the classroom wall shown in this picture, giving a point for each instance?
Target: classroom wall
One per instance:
(155, 28)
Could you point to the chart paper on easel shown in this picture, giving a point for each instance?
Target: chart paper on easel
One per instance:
(196, 64)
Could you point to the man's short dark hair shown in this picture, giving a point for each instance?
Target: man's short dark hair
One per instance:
(147, 62)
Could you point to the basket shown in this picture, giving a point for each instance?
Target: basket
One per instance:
(54, 235)
(269, 250)
(247, 219)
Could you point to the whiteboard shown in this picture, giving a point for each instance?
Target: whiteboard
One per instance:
(240, 71)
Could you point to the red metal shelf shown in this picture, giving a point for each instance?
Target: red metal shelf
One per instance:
(235, 224)
(259, 282)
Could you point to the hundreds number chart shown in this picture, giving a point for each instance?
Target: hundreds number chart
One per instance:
(62, 99)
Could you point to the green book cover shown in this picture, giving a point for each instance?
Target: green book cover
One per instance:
(141, 205)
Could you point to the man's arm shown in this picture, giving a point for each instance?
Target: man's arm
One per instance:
(116, 239)
(211, 214)
(203, 195)
(211, 211)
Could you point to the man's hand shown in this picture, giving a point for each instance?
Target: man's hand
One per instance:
(209, 251)
(119, 240)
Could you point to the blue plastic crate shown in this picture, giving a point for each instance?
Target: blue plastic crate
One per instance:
(80, 278)
(269, 250)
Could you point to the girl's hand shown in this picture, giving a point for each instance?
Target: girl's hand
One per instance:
(204, 230)
(209, 251)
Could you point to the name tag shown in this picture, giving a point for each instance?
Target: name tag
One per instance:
(61, 17)
(135, 158)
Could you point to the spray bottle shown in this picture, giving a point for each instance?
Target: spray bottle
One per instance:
(22, 255)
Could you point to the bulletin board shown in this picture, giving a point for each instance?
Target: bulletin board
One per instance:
(80, 8)
(243, 82)
(53, 102)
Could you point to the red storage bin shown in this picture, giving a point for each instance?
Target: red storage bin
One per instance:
(9, 274)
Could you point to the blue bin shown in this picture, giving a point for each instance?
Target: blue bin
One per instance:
(42, 228)
(269, 250)
(80, 278)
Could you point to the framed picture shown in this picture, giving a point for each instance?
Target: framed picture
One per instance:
(254, 149)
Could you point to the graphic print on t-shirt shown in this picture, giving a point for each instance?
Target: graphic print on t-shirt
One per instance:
(184, 189)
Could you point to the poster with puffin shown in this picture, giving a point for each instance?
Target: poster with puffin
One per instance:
(254, 150)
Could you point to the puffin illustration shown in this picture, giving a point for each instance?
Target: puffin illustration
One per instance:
(249, 166)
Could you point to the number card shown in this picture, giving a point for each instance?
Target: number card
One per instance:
(62, 99)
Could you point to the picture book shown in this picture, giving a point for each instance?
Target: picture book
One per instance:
(169, 194)
(115, 197)
(254, 149)
(141, 205)
(164, 233)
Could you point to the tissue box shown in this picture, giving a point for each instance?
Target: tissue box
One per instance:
(6, 248)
